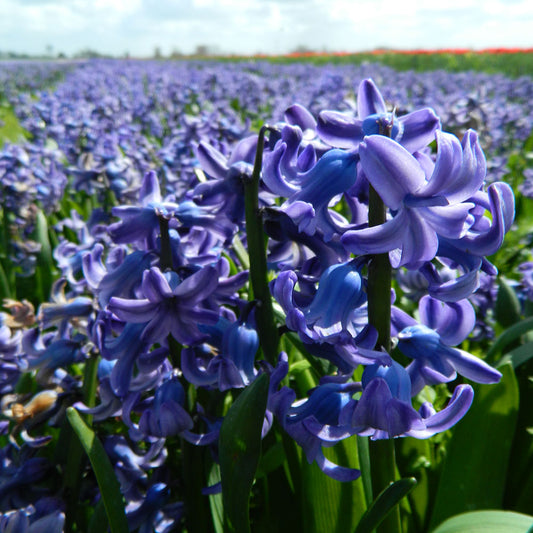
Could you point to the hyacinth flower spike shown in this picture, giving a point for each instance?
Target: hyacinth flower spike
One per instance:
(414, 130)
(423, 207)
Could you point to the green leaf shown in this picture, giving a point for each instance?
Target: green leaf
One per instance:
(487, 522)
(45, 267)
(103, 470)
(331, 505)
(508, 336)
(363, 452)
(5, 290)
(520, 355)
(215, 500)
(10, 128)
(387, 499)
(415, 458)
(507, 307)
(240, 448)
(99, 522)
(475, 469)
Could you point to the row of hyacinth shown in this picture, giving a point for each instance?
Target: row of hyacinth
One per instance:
(109, 123)
(157, 290)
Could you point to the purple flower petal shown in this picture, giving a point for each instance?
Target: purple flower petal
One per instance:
(453, 321)
(340, 473)
(212, 161)
(473, 367)
(419, 129)
(501, 199)
(369, 100)
(457, 407)
(135, 311)
(244, 150)
(199, 285)
(298, 115)
(451, 221)
(391, 169)
(378, 239)
(459, 169)
(155, 286)
(150, 191)
(339, 129)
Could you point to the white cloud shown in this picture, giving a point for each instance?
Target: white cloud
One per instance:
(247, 26)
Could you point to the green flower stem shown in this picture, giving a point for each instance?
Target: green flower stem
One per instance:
(379, 279)
(268, 333)
(382, 454)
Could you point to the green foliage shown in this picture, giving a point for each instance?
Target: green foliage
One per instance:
(103, 469)
(512, 64)
(10, 129)
(240, 449)
(487, 522)
(327, 504)
(387, 499)
(476, 466)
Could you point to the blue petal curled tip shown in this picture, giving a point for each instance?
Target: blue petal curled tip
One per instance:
(298, 115)
(453, 321)
(369, 99)
(418, 129)
(244, 151)
(150, 190)
(211, 160)
(502, 208)
(334, 471)
(457, 407)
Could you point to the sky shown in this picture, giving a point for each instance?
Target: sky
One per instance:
(138, 27)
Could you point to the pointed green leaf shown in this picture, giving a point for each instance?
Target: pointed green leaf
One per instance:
(363, 452)
(474, 471)
(103, 470)
(239, 450)
(384, 504)
(487, 522)
(520, 354)
(5, 290)
(508, 336)
(45, 267)
(507, 307)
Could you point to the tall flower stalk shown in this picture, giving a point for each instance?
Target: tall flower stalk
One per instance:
(382, 452)
(256, 240)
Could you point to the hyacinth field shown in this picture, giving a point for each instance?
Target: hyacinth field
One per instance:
(258, 297)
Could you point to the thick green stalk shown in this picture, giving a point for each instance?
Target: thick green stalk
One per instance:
(382, 455)
(379, 279)
(165, 261)
(268, 333)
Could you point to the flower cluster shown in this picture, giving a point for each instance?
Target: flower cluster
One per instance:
(159, 297)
